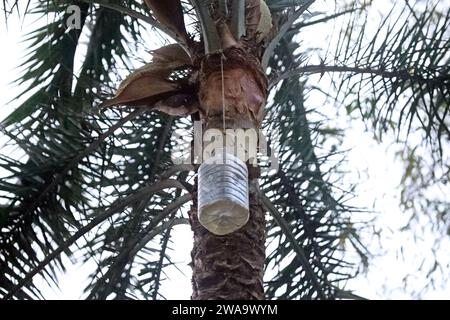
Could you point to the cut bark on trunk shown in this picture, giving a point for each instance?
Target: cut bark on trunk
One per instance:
(244, 90)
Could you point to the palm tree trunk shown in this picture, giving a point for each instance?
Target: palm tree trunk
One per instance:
(230, 267)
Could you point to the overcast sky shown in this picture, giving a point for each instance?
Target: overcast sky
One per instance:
(374, 169)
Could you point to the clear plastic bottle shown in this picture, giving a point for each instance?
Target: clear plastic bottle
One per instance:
(223, 205)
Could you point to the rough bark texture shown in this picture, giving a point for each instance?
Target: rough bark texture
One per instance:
(229, 267)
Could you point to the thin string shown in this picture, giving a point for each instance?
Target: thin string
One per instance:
(223, 91)
(223, 104)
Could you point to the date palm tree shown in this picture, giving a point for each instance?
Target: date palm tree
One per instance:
(91, 168)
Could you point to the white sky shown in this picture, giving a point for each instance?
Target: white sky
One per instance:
(375, 170)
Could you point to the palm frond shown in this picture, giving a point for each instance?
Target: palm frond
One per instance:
(397, 78)
(310, 215)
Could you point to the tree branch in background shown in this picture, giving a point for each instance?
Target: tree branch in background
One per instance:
(92, 147)
(300, 25)
(401, 74)
(115, 207)
(280, 34)
(137, 15)
(300, 253)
